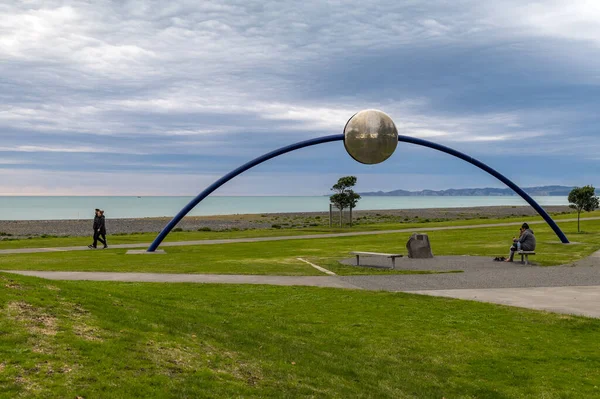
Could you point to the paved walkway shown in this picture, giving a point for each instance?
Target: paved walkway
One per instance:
(583, 300)
(478, 273)
(281, 238)
(572, 289)
(314, 281)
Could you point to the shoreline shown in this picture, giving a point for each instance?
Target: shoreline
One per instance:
(83, 227)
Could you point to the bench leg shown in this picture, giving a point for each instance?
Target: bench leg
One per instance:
(393, 263)
(357, 260)
(526, 259)
(522, 258)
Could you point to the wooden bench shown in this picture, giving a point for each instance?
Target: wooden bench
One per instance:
(391, 256)
(525, 254)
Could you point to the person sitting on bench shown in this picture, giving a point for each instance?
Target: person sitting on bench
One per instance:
(525, 242)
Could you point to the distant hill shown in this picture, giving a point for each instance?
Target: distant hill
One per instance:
(468, 192)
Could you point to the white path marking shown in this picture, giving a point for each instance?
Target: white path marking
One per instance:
(319, 268)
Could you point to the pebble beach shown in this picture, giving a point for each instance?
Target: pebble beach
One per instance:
(32, 228)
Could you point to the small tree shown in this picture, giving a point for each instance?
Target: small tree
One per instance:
(344, 197)
(583, 199)
(351, 201)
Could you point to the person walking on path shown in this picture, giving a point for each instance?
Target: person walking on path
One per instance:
(96, 226)
(99, 229)
(525, 242)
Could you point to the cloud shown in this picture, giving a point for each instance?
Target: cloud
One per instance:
(14, 162)
(34, 182)
(571, 20)
(227, 81)
(33, 148)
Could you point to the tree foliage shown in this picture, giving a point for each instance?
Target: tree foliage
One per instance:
(344, 196)
(583, 199)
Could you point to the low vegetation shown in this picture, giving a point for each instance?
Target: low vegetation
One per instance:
(121, 340)
(280, 257)
(371, 223)
(107, 339)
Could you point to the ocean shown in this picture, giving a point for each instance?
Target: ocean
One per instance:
(55, 208)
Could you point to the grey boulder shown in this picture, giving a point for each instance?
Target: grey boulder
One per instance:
(418, 246)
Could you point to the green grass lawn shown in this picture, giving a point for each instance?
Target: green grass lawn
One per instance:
(123, 340)
(280, 257)
(38, 242)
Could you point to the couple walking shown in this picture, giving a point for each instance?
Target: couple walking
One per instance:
(99, 229)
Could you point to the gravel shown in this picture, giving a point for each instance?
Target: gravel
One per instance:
(29, 228)
(479, 272)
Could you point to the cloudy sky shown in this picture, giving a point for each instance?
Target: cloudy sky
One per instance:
(162, 98)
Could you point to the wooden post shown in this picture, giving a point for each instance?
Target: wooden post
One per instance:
(350, 215)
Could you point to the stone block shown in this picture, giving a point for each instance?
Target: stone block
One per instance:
(418, 246)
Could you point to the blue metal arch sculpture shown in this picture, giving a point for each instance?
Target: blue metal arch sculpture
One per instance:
(339, 137)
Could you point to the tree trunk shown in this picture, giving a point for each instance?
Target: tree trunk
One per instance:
(341, 216)
(350, 216)
(330, 215)
(578, 213)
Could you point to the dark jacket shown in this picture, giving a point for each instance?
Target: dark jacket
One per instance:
(96, 223)
(527, 240)
(99, 224)
(103, 225)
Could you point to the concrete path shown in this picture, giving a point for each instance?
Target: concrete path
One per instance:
(584, 301)
(579, 300)
(281, 238)
(477, 273)
(314, 281)
(572, 289)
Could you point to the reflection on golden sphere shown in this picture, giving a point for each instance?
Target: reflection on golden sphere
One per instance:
(370, 136)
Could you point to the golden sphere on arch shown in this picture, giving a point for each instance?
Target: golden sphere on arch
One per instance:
(370, 136)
